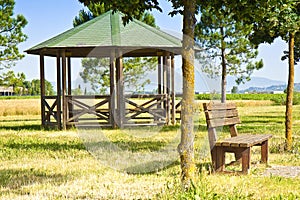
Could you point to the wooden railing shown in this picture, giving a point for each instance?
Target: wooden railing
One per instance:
(50, 111)
(88, 110)
(145, 109)
(92, 111)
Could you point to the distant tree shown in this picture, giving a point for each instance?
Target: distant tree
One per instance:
(11, 34)
(96, 71)
(35, 88)
(22, 86)
(234, 90)
(16, 81)
(77, 91)
(224, 41)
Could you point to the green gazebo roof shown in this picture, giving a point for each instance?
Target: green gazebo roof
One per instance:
(104, 33)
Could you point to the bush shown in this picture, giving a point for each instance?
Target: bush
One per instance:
(282, 99)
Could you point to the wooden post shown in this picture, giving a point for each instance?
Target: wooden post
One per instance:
(166, 85)
(173, 89)
(69, 76)
(164, 75)
(64, 90)
(120, 90)
(42, 85)
(112, 102)
(159, 76)
(58, 83)
(70, 106)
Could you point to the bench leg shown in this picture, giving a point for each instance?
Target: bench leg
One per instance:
(246, 160)
(264, 152)
(238, 157)
(220, 159)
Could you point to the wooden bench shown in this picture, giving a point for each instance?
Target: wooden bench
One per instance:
(219, 115)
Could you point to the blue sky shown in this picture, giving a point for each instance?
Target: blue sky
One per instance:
(47, 18)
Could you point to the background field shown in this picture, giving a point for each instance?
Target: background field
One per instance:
(50, 164)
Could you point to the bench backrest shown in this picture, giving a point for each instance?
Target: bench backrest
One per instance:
(219, 115)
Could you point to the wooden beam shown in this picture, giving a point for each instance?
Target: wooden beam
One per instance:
(164, 86)
(70, 106)
(120, 89)
(173, 89)
(64, 90)
(58, 83)
(168, 82)
(159, 76)
(42, 85)
(69, 76)
(112, 102)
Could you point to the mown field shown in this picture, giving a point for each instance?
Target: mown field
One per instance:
(51, 164)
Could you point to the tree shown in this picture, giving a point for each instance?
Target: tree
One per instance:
(283, 21)
(16, 81)
(10, 34)
(234, 90)
(225, 39)
(95, 70)
(23, 87)
(188, 9)
(35, 87)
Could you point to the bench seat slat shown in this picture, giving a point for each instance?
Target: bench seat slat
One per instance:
(244, 140)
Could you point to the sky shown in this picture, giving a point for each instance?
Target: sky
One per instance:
(47, 18)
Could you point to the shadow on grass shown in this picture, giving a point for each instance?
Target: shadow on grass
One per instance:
(44, 145)
(30, 127)
(14, 180)
(152, 167)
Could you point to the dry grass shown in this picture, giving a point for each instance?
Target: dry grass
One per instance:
(20, 107)
(39, 164)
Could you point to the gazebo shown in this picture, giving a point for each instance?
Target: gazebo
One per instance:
(106, 37)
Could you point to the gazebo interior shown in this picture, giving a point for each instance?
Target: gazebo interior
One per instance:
(106, 37)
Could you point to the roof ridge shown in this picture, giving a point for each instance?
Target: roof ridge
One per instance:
(115, 28)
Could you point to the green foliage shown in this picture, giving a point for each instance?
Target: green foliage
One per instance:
(132, 9)
(11, 34)
(280, 19)
(281, 100)
(234, 90)
(278, 99)
(225, 43)
(96, 72)
(94, 10)
(35, 88)
(23, 87)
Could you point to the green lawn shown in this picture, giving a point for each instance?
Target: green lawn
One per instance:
(40, 164)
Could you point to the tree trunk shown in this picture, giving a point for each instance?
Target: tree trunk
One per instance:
(289, 95)
(186, 146)
(223, 81)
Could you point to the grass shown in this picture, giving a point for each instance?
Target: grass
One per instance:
(12, 107)
(49, 164)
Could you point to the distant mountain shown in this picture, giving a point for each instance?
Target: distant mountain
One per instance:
(204, 84)
(272, 88)
(258, 82)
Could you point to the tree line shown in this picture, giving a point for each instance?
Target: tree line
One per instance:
(21, 86)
